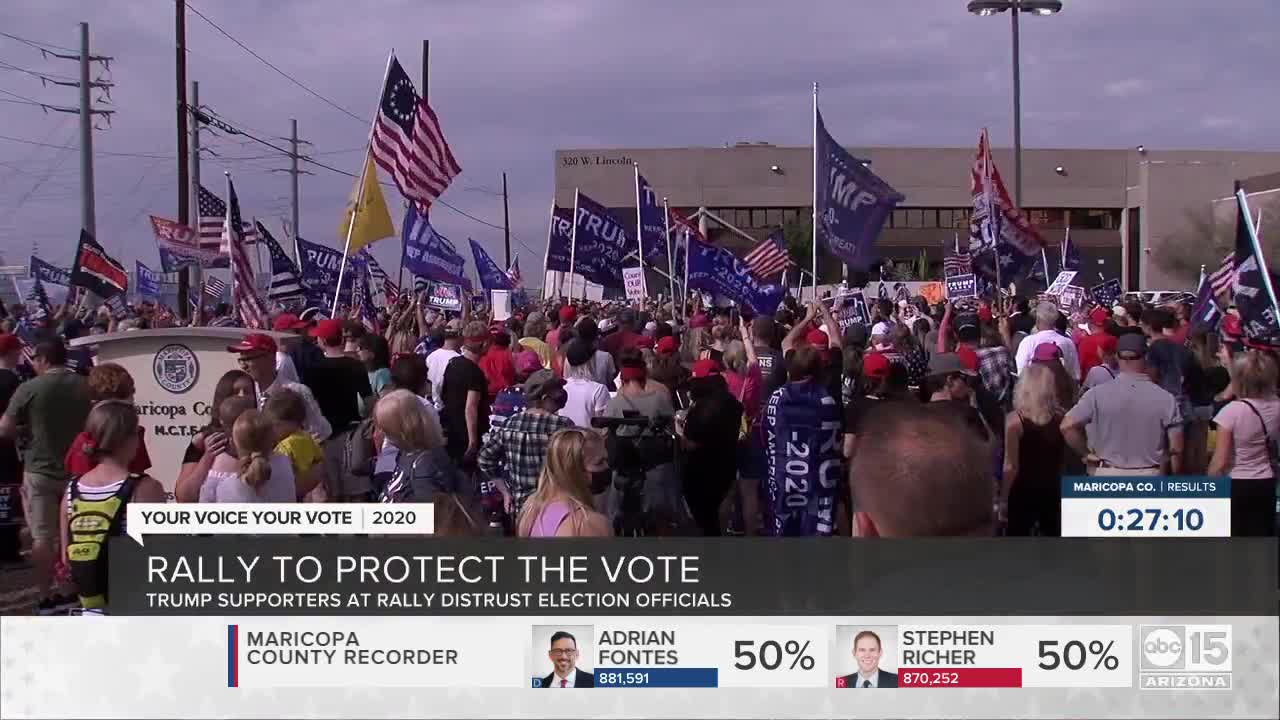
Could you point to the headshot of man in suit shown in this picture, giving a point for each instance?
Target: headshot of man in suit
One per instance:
(564, 660)
(867, 651)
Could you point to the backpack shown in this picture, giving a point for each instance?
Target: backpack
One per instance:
(361, 451)
(1273, 442)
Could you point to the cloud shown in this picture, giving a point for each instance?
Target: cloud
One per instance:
(1125, 88)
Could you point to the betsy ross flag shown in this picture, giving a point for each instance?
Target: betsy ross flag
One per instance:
(769, 257)
(213, 214)
(958, 261)
(96, 271)
(286, 281)
(244, 294)
(408, 143)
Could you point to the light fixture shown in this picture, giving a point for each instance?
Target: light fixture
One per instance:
(1060, 170)
(775, 169)
(984, 8)
(1142, 149)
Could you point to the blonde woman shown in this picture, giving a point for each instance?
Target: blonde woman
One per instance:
(1034, 452)
(249, 469)
(1244, 427)
(562, 505)
(424, 472)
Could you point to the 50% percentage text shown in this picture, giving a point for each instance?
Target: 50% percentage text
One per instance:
(1076, 654)
(772, 655)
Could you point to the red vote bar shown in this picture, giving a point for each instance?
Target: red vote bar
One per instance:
(960, 677)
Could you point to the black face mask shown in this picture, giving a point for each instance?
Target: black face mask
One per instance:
(600, 481)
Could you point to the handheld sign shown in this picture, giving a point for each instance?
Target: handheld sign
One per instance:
(851, 308)
(1107, 293)
(962, 286)
(1061, 282)
(1072, 298)
(445, 296)
(633, 281)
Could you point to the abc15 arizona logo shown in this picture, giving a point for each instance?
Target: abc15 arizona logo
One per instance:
(1191, 657)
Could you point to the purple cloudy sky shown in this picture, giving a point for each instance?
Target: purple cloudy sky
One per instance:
(513, 81)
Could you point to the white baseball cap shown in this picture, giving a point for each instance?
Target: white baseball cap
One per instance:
(880, 328)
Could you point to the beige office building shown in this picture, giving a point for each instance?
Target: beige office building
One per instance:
(1145, 216)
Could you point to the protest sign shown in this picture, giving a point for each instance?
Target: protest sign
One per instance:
(1061, 282)
(851, 308)
(962, 286)
(633, 280)
(1072, 298)
(445, 296)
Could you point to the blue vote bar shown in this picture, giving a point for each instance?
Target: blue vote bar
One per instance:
(668, 677)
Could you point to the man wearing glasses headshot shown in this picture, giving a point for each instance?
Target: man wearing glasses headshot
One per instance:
(564, 658)
(257, 357)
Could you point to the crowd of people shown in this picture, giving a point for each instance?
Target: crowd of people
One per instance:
(587, 419)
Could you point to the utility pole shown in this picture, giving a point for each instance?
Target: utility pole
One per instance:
(293, 176)
(184, 187)
(506, 222)
(87, 214)
(185, 274)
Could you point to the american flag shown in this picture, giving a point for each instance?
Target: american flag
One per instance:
(769, 257)
(390, 290)
(408, 143)
(513, 272)
(959, 261)
(244, 294)
(213, 215)
(286, 281)
(1224, 277)
(214, 288)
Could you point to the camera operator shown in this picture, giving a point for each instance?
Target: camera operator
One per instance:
(639, 397)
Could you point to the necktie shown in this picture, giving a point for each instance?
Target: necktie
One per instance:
(865, 683)
(563, 682)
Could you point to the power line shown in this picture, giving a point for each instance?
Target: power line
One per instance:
(150, 156)
(282, 73)
(36, 43)
(35, 73)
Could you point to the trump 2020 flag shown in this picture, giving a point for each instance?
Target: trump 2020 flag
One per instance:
(429, 254)
(716, 270)
(149, 282)
(559, 238)
(1254, 287)
(319, 265)
(491, 276)
(96, 271)
(651, 221)
(48, 273)
(1205, 314)
(852, 202)
(601, 244)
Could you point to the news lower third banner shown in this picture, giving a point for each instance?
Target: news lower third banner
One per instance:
(415, 575)
(628, 666)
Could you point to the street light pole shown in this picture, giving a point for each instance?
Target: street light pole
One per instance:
(1017, 111)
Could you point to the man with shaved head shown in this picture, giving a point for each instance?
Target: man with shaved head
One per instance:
(920, 472)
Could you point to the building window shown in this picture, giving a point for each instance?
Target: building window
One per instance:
(960, 218)
(757, 218)
(790, 215)
(1094, 219)
(772, 217)
(898, 219)
(946, 218)
(915, 218)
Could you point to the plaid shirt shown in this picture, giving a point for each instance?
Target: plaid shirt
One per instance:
(518, 451)
(995, 367)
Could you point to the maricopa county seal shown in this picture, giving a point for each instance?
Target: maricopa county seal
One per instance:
(176, 368)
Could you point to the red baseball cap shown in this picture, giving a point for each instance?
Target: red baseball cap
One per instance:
(285, 322)
(1098, 316)
(1046, 352)
(254, 342)
(666, 345)
(9, 343)
(644, 341)
(875, 366)
(817, 338)
(568, 313)
(706, 367)
(328, 330)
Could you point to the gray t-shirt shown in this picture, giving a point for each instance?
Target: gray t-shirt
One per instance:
(1129, 419)
(651, 404)
(227, 487)
(1099, 374)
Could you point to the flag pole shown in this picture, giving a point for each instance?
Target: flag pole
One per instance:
(639, 229)
(546, 253)
(671, 265)
(226, 232)
(355, 209)
(1066, 242)
(1257, 248)
(814, 219)
(573, 248)
(992, 224)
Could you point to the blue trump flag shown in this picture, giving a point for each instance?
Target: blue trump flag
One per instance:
(1205, 314)
(1254, 283)
(716, 270)
(49, 273)
(173, 261)
(601, 244)
(652, 221)
(150, 282)
(491, 276)
(428, 254)
(852, 202)
(559, 238)
(320, 265)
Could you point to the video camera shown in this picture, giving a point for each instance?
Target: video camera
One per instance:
(636, 444)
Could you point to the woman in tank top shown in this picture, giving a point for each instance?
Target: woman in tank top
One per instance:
(562, 506)
(1030, 493)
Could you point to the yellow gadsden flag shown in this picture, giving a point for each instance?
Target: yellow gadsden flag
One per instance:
(373, 222)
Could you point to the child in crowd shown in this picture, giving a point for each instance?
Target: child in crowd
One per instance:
(248, 470)
(287, 412)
